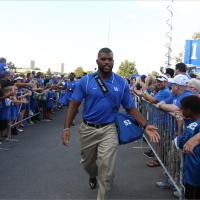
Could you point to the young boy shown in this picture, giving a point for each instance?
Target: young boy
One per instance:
(190, 107)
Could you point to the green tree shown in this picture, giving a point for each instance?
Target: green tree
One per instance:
(48, 72)
(37, 68)
(89, 72)
(154, 73)
(11, 66)
(79, 71)
(196, 36)
(179, 58)
(127, 68)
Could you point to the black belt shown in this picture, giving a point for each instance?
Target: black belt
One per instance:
(95, 125)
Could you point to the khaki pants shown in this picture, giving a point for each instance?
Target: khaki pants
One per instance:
(98, 155)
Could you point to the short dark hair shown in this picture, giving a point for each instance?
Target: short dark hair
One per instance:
(170, 71)
(105, 50)
(191, 102)
(182, 67)
(2, 60)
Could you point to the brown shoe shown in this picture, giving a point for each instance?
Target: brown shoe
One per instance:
(153, 163)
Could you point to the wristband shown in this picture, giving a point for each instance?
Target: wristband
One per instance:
(65, 129)
(144, 127)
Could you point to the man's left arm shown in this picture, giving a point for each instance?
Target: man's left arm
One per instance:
(151, 130)
(128, 104)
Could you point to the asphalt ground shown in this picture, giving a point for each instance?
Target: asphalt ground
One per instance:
(39, 167)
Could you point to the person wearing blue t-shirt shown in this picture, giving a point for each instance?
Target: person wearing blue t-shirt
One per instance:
(179, 91)
(98, 134)
(190, 107)
(163, 92)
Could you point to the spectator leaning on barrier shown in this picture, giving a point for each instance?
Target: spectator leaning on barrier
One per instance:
(98, 132)
(150, 81)
(172, 104)
(163, 93)
(179, 91)
(190, 107)
(5, 111)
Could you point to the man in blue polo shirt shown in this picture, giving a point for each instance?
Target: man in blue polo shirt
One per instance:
(98, 134)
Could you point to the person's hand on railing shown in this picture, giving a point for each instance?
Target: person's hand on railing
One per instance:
(178, 115)
(158, 104)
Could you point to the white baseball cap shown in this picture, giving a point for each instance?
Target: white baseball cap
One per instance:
(18, 78)
(180, 79)
(162, 78)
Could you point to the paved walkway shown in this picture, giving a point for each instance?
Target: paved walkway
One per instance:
(39, 167)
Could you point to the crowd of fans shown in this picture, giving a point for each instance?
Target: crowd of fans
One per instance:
(27, 98)
(176, 92)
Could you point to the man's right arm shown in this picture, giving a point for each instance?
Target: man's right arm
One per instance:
(71, 112)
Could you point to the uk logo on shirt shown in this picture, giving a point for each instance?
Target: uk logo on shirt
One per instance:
(116, 89)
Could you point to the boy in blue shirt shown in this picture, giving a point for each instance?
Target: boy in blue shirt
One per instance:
(190, 107)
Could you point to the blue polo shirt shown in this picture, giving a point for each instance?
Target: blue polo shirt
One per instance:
(98, 107)
(191, 165)
(176, 100)
(162, 94)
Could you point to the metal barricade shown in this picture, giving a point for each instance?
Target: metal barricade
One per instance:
(169, 158)
(14, 123)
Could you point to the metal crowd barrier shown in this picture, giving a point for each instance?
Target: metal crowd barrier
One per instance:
(14, 123)
(40, 98)
(165, 152)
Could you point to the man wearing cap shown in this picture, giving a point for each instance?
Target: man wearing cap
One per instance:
(163, 92)
(179, 91)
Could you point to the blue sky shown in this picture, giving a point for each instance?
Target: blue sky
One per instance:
(72, 32)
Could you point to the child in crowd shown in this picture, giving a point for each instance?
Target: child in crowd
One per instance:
(49, 102)
(190, 107)
(5, 112)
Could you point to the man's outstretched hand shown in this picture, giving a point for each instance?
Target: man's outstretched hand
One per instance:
(152, 133)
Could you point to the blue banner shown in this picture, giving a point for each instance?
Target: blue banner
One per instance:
(192, 52)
